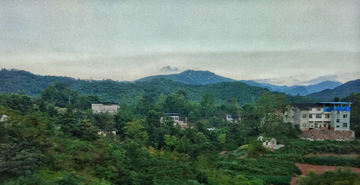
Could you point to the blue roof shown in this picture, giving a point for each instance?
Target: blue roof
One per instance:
(336, 103)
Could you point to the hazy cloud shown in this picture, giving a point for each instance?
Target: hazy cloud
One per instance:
(169, 69)
(284, 41)
(321, 79)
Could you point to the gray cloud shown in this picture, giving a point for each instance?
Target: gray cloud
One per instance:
(169, 69)
(321, 79)
(127, 40)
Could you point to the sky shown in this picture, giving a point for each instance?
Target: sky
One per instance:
(282, 42)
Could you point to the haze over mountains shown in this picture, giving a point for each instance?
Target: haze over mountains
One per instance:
(206, 77)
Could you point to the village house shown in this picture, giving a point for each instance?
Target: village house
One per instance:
(272, 144)
(110, 107)
(321, 115)
(229, 118)
(176, 119)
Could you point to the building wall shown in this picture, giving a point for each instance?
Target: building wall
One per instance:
(340, 120)
(99, 107)
(317, 117)
(304, 119)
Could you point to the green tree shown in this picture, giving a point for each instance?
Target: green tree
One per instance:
(208, 102)
(135, 130)
(67, 122)
(354, 112)
(60, 94)
(272, 107)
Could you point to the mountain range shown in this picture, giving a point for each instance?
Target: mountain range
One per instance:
(192, 77)
(195, 83)
(206, 77)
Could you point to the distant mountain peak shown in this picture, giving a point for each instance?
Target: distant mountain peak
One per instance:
(194, 77)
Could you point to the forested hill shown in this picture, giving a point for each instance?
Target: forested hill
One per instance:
(340, 91)
(108, 90)
(192, 77)
(18, 80)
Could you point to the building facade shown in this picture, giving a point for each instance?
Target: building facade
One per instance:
(110, 107)
(320, 115)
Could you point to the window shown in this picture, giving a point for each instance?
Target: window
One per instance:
(327, 115)
(337, 126)
(344, 124)
(318, 115)
(345, 116)
(324, 125)
(337, 120)
(318, 109)
(310, 115)
(304, 115)
(304, 125)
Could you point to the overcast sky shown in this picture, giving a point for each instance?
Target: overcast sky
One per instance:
(280, 42)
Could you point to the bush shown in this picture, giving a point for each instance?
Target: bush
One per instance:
(278, 180)
(332, 161)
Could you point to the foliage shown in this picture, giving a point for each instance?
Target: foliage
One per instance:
(337, 177)
(354, 112)
(42, 143)
(305, 147)
(332, 161)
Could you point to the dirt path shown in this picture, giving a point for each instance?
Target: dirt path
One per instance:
(319, 169)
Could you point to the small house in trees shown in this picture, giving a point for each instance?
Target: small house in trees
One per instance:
(272, 144)
(229, 118)
(176, 119)
(104, 132)
(3, 118)
(110, 107)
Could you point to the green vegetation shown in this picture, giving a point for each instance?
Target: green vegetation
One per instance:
(53, 139)
(337, 177)
(27, 83)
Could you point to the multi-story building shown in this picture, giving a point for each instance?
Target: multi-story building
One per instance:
(110, 107)
(320, 115)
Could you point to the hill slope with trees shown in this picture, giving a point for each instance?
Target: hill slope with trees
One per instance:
(25, 82)
(341, 91)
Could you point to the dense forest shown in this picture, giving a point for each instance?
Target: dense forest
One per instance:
(53, 139)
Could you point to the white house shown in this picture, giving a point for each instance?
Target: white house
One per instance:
(110, 107)
(320, 115)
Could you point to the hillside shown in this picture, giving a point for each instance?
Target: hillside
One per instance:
(340, 91)
(206, 77)
(108, 90)
(192, 77)
(296, 89)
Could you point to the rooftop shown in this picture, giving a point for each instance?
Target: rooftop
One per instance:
(336, 103)
(106, 102)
